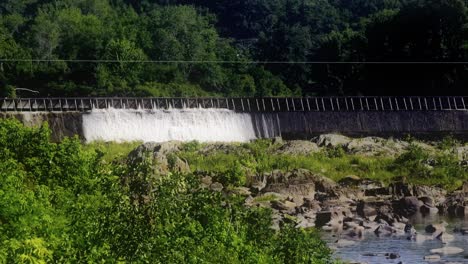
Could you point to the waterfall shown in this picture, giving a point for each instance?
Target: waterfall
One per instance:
(204, 125)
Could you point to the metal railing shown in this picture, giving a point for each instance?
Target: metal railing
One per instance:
(243, 104)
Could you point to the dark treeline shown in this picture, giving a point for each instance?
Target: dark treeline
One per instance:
(236, 31)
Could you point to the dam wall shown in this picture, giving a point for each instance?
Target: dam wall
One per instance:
(241, 119)
(289, 125)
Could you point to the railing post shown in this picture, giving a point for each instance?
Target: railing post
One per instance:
(308, 104)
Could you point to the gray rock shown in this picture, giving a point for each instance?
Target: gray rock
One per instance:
(436, 228)
(350, 181)
(432, 258)
(216, 186)
(285, 206)
(447, 250)
(298, 147)
(332, 140)
(366, 210)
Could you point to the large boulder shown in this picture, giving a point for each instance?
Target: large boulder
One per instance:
(372, 146)
(162, 155)
(332, 140)
(298, 147)
(407, 206)
(297, 184)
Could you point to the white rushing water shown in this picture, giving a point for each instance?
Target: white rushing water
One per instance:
(204, 125)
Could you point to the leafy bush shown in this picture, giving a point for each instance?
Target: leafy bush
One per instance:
(62, 203)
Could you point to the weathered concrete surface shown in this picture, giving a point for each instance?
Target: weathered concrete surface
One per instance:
(302, 125)
(62, 124)
(424, 123)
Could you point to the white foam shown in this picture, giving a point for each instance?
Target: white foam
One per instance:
(204, 125)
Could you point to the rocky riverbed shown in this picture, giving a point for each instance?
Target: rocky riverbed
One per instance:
(364, 220)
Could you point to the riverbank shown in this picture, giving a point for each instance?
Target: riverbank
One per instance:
(352, 188)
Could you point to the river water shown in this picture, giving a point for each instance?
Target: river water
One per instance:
(372, 249)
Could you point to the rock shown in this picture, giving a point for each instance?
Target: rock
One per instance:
(392, 255)
(400, 188)
(427, 200)
(350, 180)
(242, 191)
(428, 210)
(311, 204)
(355, 233)
(408, 206)
(298, 183)
(206, 181)
(366, 210)
(298, 147)
(332, 140)
(409, 229)
(331, 220)
(446, 250)
(216, 186)
(433, 228)
(465, 188)
(385, 230)
(303, 222)
(322, 218)
(286, 206)
(432, 258)
(345, 243)
(277, 140)
(376, 191)
(163, 154)
(372, 146)
(444, 237)
(462, 153)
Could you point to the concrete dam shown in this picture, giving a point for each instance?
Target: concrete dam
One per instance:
(240, 119)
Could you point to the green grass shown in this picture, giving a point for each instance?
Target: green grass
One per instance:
(418, 165)
(112, 151)
(234, 167)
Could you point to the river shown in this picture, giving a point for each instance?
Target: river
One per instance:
(372, 249)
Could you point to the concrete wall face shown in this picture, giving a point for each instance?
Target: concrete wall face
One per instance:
(307, 124)
(295, 125)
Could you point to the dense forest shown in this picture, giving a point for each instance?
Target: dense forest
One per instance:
(232, 47)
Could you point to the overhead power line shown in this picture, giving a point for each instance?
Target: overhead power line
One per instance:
(232, 62)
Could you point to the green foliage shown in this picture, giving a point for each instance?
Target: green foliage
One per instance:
(61, 203)
(232, 31)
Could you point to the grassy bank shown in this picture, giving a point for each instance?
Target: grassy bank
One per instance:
(439, 166)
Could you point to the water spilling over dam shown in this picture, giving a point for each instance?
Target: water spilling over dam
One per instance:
(204, 125)
(241, 119)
